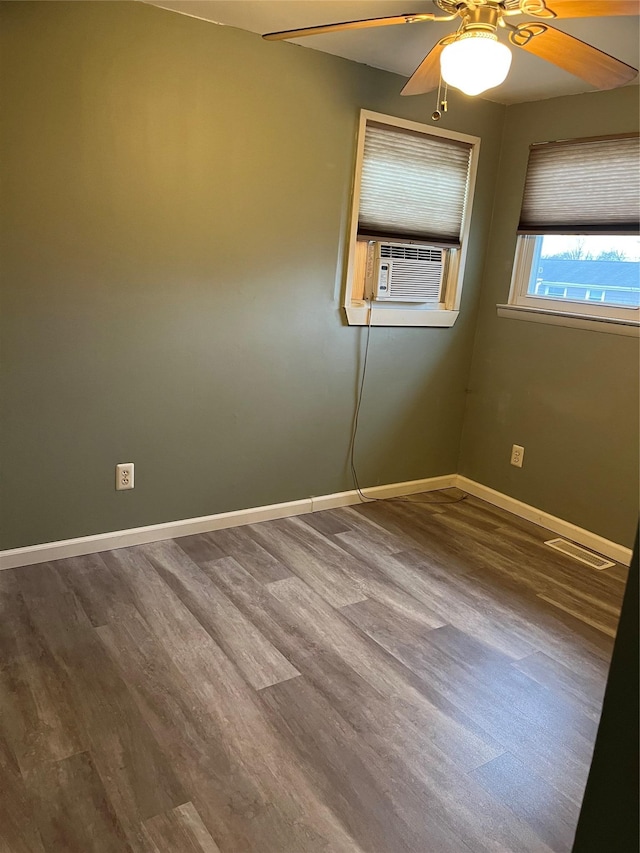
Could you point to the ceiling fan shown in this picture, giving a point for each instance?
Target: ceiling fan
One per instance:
(473, 60)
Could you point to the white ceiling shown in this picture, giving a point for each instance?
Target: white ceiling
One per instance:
(401, 48)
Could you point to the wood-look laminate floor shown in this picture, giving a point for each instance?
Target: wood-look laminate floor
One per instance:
(397, 676)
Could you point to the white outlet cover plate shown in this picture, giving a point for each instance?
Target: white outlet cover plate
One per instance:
(124, 476)
(517, 455)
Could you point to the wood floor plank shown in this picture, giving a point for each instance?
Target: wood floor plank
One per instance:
(582, 688)
(551, 737)
(138, 779)
(475, 515)
(461, 526)
(516, 691)
(516, 555)
(236, 542)
(202, 546)
(37, 715)
(598, 600)
(504, 519)
(479, 681)
(431, 585)
(551, 815)
(258, 660)
(533, 564)
(386, 625)
(559, 566)
(94, 585)
(498, 600)
(419, 528)
(18, 635)
(324, 627)
(394, 598)
(325, 523)
(405, 639)
(73, 810)
(362, 568)
(547, 625)
(423, 805)
(433, 503)
(19, 831)
(180, 830)
(316, 561)
(192, 739)
(541, 569)
(373, 713)
(566, 601)
(382, 815)
(557, 634)
(384, 539)
(250, 795)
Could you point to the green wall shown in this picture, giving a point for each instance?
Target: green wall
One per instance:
(174, 209)
(570, 396)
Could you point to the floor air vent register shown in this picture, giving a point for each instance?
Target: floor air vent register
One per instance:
(578, 553)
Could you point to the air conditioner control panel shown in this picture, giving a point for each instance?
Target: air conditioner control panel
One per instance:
(383, 281)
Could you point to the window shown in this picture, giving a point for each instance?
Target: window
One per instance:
(578, 251)
(410, 216)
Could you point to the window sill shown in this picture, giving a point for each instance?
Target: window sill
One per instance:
(396, 315)
(629, 328)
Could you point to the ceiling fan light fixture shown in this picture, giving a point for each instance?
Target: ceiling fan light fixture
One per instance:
(475, 62)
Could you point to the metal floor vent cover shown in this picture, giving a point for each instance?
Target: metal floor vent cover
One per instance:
(578, 553)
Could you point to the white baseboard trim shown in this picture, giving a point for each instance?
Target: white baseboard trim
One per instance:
(551, 522)
(393, 490)
(32, 554)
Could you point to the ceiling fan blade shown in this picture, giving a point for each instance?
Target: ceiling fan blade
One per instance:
(577, 57)
(427, 75)
(593, 8)
(350, 25)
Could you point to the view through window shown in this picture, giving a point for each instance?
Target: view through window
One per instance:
(596, 269)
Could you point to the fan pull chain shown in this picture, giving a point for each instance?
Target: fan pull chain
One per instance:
(442, 105)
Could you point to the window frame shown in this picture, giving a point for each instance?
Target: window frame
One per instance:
(541, 216)
(519, 298)
(362, 312)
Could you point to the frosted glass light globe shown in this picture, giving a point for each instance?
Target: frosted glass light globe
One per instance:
(475, 62)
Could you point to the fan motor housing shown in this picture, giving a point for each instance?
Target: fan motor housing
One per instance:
(481, 18)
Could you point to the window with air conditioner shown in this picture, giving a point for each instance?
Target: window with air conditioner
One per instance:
(411, 207)
(578, 250)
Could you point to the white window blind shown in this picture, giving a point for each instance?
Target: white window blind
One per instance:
(413, 185)
(584, 186)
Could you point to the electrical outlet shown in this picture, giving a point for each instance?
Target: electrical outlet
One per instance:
(517, 455)
(124, 476)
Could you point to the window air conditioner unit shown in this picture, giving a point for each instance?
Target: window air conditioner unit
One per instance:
(406, 272)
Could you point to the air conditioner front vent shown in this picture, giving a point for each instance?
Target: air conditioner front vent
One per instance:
(416, 281)
(405, 272)
(578, 553)
(410, 253)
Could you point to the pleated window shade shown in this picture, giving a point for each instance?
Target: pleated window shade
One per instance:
(413, 185)
(584, 186)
